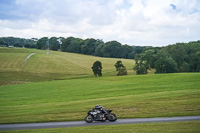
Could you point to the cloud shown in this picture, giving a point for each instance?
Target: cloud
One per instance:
(141, 22)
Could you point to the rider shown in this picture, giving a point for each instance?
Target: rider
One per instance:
(100, 108)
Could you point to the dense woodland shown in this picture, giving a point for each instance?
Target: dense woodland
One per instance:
(179, 57)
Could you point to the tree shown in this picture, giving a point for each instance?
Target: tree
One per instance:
(141, 65)
(184, 67)
(99, 50)
(17, 45)
(75, 45)
(193, 59)
(72, 44)
(118, 64)
(129, 54)
(54, 43)
(31, 43)
(120, 68)
(122, 71)
(89, 46)
(113, 49)
(41, 43)
(165, 64)
(97, 68)
(178, 53)
(138, 50)
(65, 43)
(2, 43)
(150, 56)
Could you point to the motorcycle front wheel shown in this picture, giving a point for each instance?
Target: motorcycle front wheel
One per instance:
(113, 117)
(89, 119)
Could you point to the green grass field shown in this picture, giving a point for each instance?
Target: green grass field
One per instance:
(53, 66)
(133, 96)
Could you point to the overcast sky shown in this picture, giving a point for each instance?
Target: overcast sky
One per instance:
(132, 22)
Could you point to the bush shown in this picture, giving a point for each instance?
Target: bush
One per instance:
(122, 71)
(166, 65)
(141, 67)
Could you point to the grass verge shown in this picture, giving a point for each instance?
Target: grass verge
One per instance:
(168, 127)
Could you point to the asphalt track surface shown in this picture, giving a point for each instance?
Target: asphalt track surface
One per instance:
(97, 123)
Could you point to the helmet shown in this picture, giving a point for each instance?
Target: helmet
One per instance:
(97, 106)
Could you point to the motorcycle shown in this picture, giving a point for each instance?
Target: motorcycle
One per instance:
(96, 115)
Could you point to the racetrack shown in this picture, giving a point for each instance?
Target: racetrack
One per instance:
(83, 123)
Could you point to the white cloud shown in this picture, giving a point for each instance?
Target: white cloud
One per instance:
(138, 22)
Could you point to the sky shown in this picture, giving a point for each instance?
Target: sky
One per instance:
(132, 22)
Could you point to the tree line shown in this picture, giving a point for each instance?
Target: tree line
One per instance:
(90, 46)
(179, 57)
(18, 42)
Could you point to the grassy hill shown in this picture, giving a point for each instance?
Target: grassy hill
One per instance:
(54, 66)
(132, 96)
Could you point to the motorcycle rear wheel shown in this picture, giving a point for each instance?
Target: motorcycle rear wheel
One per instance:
(89, 119)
